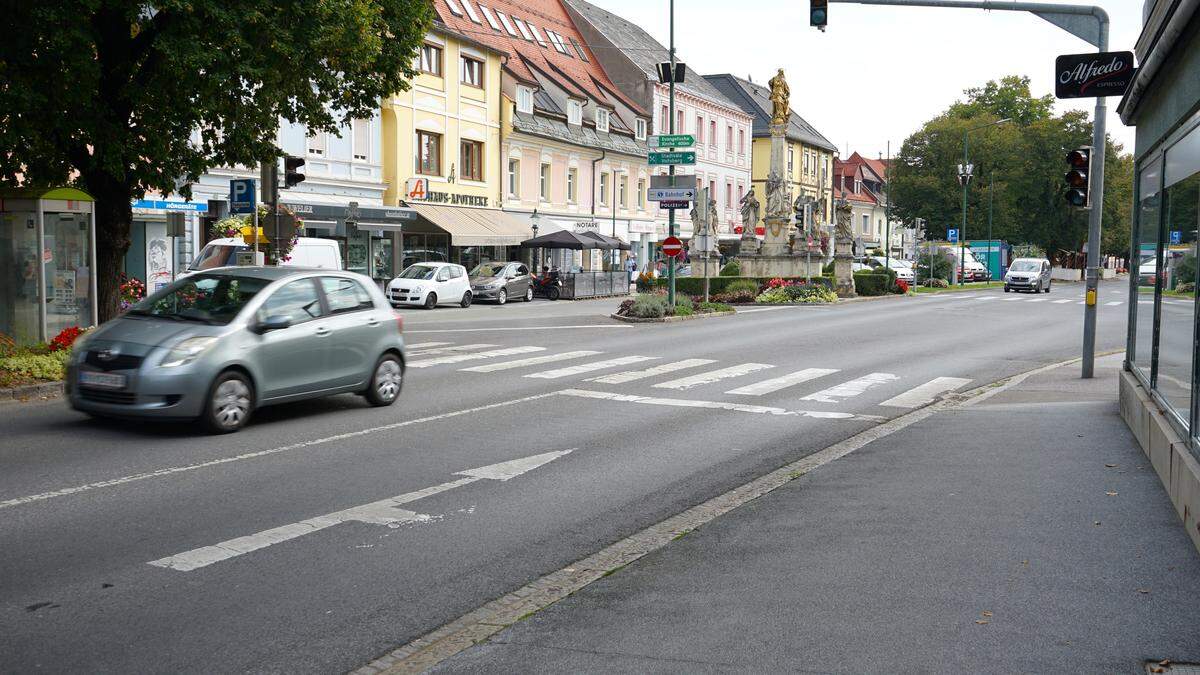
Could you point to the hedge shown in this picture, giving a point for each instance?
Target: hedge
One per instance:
(869, 283)
(695, 285)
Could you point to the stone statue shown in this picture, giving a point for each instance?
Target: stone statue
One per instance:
(749, 205)
(844, 212)
(780, 93)
(777, 196)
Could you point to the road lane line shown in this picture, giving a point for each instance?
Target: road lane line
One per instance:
(985, 297)
(760, 309)
(1014, 299)
(459, 358)
(851, 388)
(170, 471)
(634, 375)
(925, 393)
(1114, 303)
(451, 350)
(777, 383)
(425, 345)
(532, 361)
(1062, 302)
(712, 405)
(382, 512)
(496, 328)
(1038, 299)
(713, 376)
(589, 367)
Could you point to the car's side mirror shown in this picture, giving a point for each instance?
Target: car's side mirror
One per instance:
(274, 322)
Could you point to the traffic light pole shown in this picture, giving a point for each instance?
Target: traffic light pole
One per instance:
(1076, 20)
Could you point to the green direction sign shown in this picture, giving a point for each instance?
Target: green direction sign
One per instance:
(663, 158)
(673, 141)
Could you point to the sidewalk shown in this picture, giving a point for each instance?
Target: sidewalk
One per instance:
(1027, 533)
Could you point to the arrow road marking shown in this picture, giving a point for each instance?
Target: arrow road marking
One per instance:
(382, 512)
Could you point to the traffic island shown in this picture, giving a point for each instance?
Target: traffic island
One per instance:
(652, 308)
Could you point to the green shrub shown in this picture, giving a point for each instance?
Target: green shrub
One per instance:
(683, 310)
(733, 268)
(1185, 270)
(870, 283)
(942, 265)
(827, 270)
(714, 307)
(683, 301)
(818, 295)
(50, 366)
(648, 307)
(774, 296)
(722, 285)
(936, 283)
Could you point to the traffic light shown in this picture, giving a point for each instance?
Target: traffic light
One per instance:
(818, 13)
(1079, 177)
(293, 171)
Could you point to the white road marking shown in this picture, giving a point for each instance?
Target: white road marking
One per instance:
(836, 393)
(454, 349)
(714, 405)
(986, 297)
(1013, 299)
(459, 358)
(1114, 303)
(633, 375)
(426, 345)
(1060, 302)
(713, 376)
(925, 393)
(496, 328)
(382, 512)
(589, 367)
(170, 471)
(760, 309)
(1038, 299)
(532, 361)
(1145, 302)
(775, 384)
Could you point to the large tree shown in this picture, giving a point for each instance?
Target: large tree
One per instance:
(1018, 176)
(121, 96)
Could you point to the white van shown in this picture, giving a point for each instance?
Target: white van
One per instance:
(308, 252)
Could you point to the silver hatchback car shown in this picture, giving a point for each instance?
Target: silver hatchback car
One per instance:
(218, 344)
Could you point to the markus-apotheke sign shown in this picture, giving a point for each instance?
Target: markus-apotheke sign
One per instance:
(1095, 74)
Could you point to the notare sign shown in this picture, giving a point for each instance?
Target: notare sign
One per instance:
(1095, 74)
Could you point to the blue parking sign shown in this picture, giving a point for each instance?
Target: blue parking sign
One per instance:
(1176, 237)
(241, 195)
(952, 234)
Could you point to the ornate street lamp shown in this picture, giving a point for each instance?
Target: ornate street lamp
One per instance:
(534, 219)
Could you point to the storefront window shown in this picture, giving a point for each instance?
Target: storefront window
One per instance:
(18, 287)
(1146, 266)
(1176, 346)
(425, 248)
(66, 261)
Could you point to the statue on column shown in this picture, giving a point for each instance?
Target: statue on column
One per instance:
(780, 95)
(749, 205)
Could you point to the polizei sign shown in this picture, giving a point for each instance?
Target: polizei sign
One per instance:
(1095, 74)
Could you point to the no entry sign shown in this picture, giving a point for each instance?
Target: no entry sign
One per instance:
(671, 246)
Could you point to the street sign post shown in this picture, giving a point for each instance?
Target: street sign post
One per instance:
(1176, 237)
(241, 195)
(672, 247)
(687, 157)
(671, 194)
(672, 141)
(952, 234)
(674, 205)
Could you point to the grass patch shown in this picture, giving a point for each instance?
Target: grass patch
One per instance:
(971, 286)
(681, 535)
(795, 474)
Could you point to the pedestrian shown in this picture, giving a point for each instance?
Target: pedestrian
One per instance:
(631, 267)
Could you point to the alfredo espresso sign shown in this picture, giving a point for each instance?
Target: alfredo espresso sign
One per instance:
(1095, 74)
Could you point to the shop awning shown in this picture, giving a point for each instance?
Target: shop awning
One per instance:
(564, 239)
(474, 227)
(606, 241)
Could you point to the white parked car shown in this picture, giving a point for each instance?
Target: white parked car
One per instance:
(429, 284)
(309, 252)
(903, 270)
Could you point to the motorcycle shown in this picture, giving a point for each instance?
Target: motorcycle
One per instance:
(548, 286)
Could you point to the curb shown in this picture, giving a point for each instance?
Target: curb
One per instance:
(670, 319)
(481, 624)
(31, 391)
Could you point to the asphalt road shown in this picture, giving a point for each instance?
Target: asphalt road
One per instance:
(111, 560)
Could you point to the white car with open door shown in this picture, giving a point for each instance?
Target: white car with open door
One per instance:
(429, 284)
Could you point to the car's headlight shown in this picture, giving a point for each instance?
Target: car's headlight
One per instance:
(492, 286)
(187, 351)
(417, 288)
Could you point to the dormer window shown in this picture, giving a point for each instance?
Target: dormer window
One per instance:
(601, 119)
(640, 129)
(574, 112)
(524, 99)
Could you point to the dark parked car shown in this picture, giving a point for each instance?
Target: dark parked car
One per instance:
(501, 282)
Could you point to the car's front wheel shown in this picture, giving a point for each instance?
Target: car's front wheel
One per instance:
(230, 403)
(1049, 284)
(1007, 289)
(502, 297)
(386, 381)
(431, 300)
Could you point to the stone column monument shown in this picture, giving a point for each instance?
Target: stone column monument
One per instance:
(843, 256)
(779, 194)
(749, 206)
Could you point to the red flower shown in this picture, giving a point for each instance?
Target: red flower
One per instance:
(65, 339)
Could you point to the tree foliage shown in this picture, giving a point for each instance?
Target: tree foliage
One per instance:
(123, 97)
(1018, 167)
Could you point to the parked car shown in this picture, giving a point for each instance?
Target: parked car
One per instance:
(1147, 270)
(1028, 274)
(903, 270)
(309, 252)
(429, 284)
(501, 282)
(219, 344)
(972, 269)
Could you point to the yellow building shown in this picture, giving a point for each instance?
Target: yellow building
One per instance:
(441, 154)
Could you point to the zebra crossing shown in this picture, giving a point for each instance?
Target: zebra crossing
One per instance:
(972, 298)
(817, 387)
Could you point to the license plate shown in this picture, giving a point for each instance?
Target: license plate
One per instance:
(102, 380)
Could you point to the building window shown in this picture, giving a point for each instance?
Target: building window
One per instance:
(604, 189)
(574, 112)
(712, 190)
(544, 182)
(729, 195)
(361, 132)
(729, 139)
(741, 141)
(641, 195)
(429, 153)
(524, 30)
(472, 72)
(640, 129)
(524, 99)
(699, 130)
(454, 8)
(431, 60)
(712, 133)
(622, 196)
(317, 143)
(537, 35)
(866, 224)
(664, 121)
(601, 119)
(857, 185)
(572, 181)
(679, 121)
(471, 160)
(791, 160)
(471, 11)
(507, 24)
(491, 19)
(578, 49)
(514, 178)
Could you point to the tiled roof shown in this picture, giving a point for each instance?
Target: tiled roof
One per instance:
(876, 166)
(556, 129)
(644, 51)
(756, 100)
(574, 67)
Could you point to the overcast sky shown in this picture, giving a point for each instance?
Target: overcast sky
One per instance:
(877, 73)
